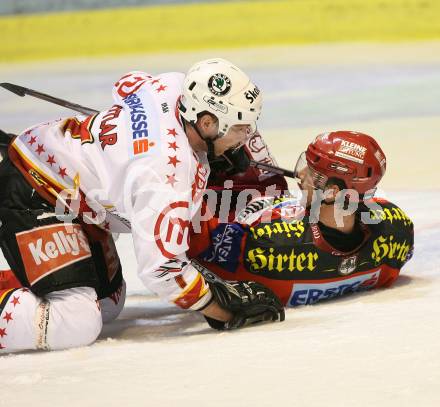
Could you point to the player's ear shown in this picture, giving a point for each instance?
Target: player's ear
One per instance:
(332, 188)
(207, 123)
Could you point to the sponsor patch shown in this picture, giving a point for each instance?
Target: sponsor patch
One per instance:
(107, 129)
(290, 229)
(311, 293)
(386, 247)
(47, 249)
(172, 228)
(252, 94)
(393, 214)
(348, 265)
(351, 151)
(216, 106)
(144, 133)
(219, 84)
(273, 263)
(225, 247)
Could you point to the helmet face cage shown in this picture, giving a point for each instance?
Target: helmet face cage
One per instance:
(250, 132)
(220, 88)
(308, 175)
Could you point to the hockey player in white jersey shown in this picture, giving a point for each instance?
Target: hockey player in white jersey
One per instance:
(140, 167)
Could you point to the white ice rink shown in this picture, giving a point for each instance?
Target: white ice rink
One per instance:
(380, 348)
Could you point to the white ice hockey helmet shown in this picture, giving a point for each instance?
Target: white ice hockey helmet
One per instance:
(221, 88)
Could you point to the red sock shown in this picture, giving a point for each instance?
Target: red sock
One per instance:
(8, 280)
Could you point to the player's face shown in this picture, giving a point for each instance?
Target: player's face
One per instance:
(305, 183)
(235, 138)
(305, 179)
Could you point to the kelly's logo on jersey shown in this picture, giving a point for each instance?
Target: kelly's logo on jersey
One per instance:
(50, 248)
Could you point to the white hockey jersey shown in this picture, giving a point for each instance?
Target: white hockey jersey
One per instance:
(135, 161)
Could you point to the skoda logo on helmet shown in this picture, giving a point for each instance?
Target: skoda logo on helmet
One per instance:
(219, 84)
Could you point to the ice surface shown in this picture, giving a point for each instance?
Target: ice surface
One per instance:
(376, 348)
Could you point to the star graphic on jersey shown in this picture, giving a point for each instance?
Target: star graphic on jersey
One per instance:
(172, 132)
(51, 160)
(173, 146)
(161, 88)
(8, 316)
(40, 149)
(155, 81)
(62, 172)
(173, 160)
(2, 332)
(171, 179)
(15, 301)
(32, 140)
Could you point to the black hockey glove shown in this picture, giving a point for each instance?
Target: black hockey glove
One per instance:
(249, 302)
(231, 162)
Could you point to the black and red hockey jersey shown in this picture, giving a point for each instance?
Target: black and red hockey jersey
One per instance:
(290, 255)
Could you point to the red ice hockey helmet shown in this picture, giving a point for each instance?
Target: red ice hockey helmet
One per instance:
(352, 157)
